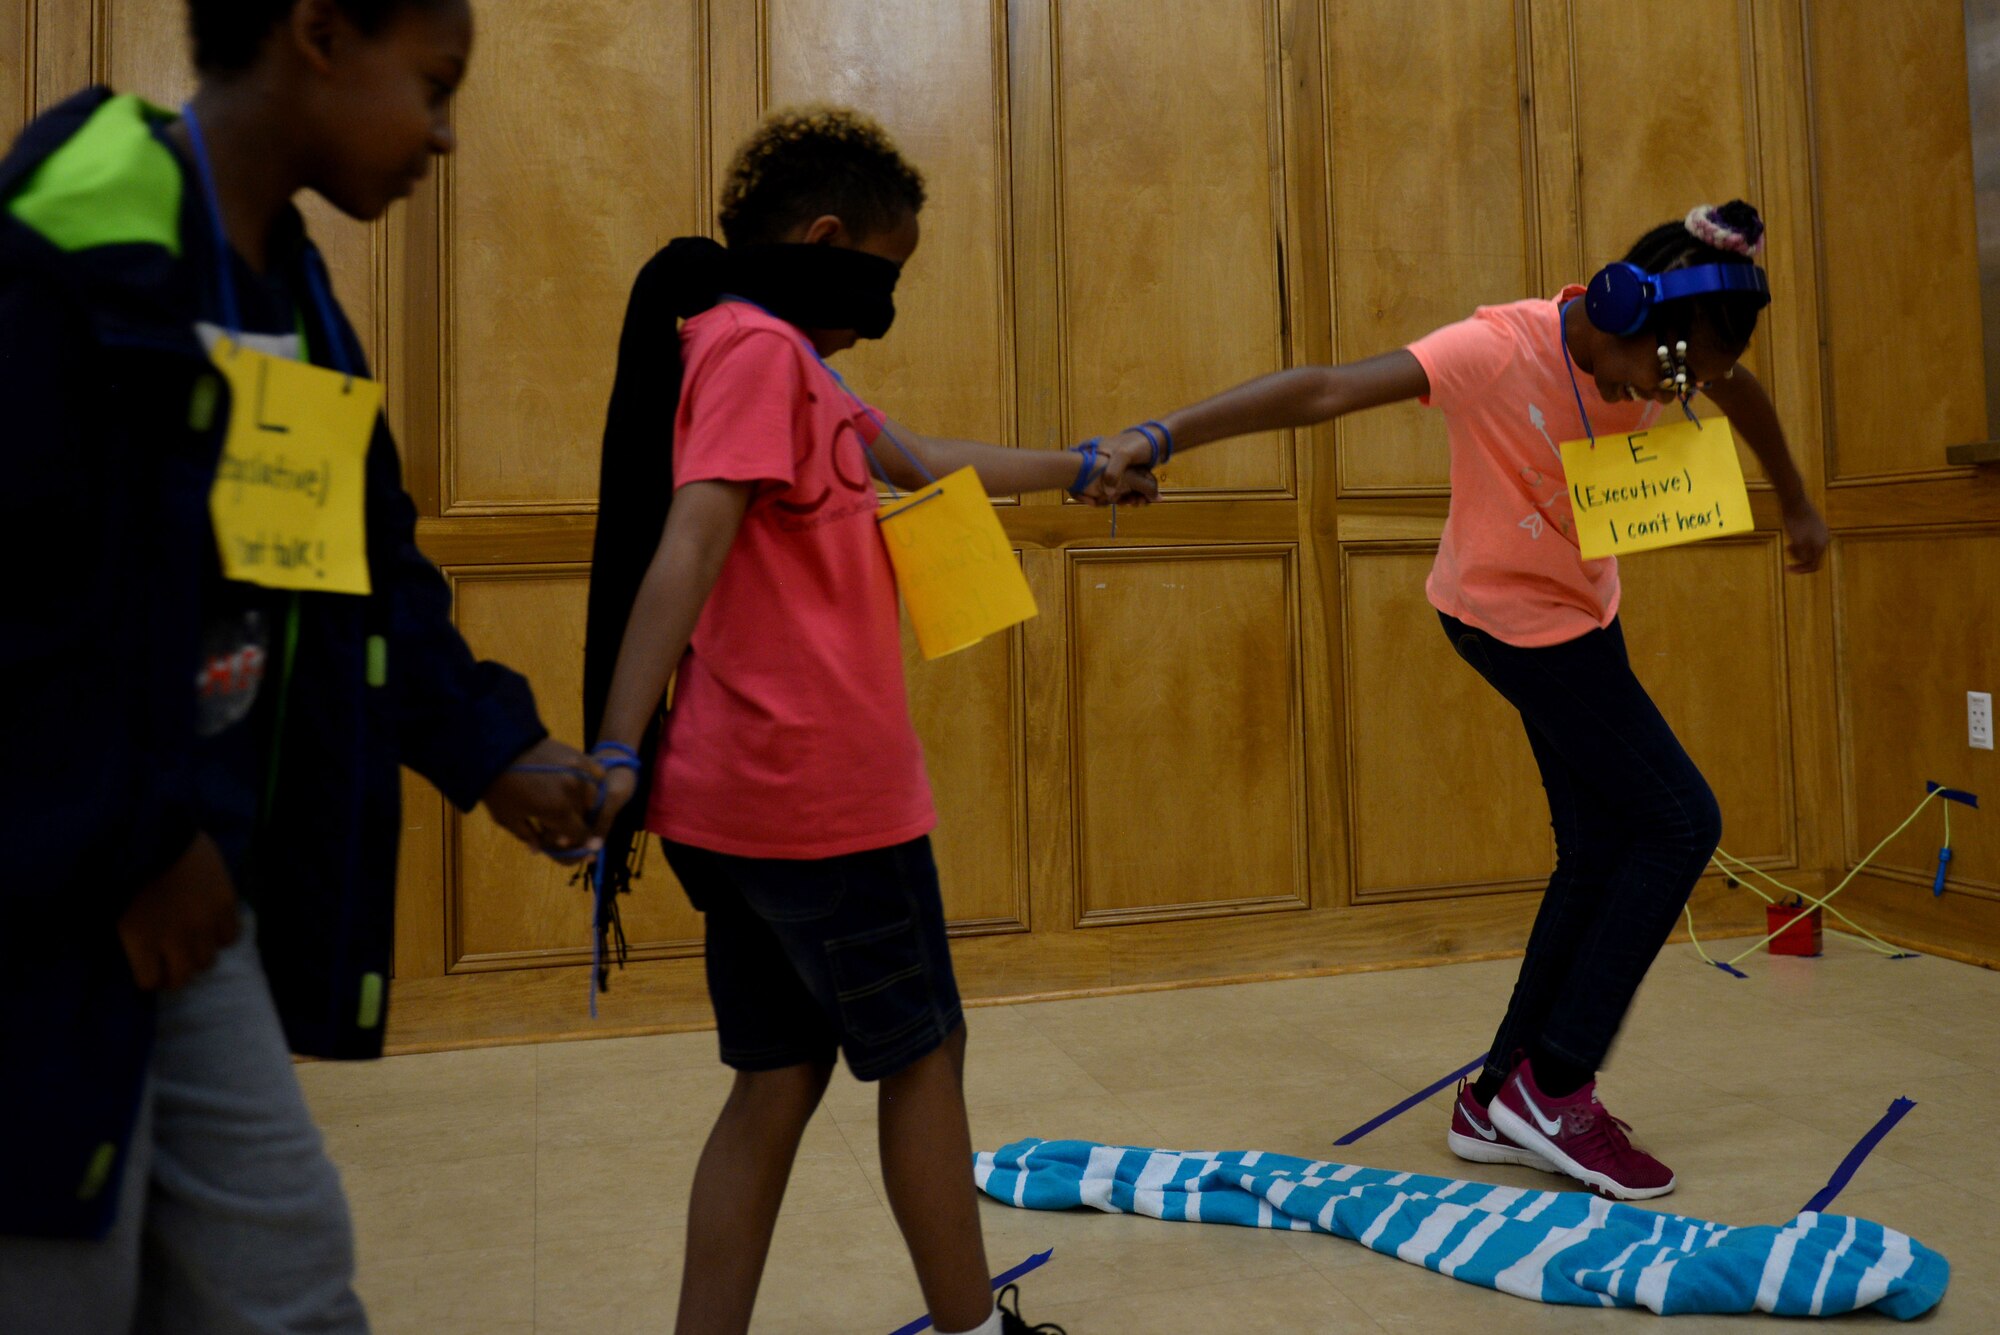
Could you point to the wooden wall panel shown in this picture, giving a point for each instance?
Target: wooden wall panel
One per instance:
(506, 905)
(17, 66)
(1663, 116)
(1416, 247)
(1705, 628)
(1917, 615)
(1444, 792)
(421, 878)
(1904, 367)
(65, 50)
(1690, 139)
(1186, 732)
(552, 203)
(968, 711)
(1170, 171)
(948, 367)
(143, 48)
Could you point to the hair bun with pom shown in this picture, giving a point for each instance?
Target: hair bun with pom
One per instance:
(1735, 227)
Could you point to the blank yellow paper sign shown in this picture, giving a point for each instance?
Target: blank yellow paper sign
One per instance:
(954, 565)
(1659, 488)
(288, 501)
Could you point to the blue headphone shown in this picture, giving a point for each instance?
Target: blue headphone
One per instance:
(1622, 296)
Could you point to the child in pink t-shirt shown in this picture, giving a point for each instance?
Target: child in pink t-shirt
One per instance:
(787, 781)
(1635, 822)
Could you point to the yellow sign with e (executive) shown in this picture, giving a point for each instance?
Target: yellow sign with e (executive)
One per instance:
(1656, 488)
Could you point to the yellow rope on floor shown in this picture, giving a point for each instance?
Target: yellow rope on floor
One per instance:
(1742, 873)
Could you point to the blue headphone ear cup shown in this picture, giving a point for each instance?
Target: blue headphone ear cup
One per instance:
(1619, 299)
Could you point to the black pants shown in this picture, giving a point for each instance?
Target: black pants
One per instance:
(1635, 824)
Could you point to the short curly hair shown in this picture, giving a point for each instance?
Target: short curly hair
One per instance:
(805, 162)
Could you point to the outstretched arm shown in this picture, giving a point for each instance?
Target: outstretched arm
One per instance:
(1008, 472)
(1301, 396)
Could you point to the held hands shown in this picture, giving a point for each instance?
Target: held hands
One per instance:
(1127, 478)
(177, 923)
(619, 785)
(1118, 469)
(545, 798)
(1806, 537)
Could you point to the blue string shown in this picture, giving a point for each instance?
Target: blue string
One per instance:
(880, 421)
(323, 299)
(1562, 337)
(619, 750)
(596, 936)
(1084, 474)
(610, 755)
(1165, 438)
(1152, 443)
(225, 280)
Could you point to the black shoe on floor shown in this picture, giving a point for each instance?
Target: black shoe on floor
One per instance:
(1011, 1322)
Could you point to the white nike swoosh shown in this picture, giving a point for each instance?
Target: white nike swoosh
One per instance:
(1486, 1132)
(1549, 1125)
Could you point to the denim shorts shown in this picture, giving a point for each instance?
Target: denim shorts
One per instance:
(809, 958)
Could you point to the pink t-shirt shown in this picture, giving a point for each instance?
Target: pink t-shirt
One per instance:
(790, 732)
(1509, 563)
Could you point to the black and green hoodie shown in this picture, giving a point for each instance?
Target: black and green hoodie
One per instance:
(111, 424)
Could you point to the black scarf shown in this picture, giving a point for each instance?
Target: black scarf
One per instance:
(811, 286)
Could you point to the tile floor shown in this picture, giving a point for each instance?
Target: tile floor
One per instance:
(542, 1189)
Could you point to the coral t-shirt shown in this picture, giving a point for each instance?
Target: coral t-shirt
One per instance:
(1509, 562)
(790, 732)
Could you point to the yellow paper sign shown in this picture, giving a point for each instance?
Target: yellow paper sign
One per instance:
(954, 565)
(288, 500)
(1659, 488)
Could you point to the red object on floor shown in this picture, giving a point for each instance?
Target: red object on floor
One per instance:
(1801, 938)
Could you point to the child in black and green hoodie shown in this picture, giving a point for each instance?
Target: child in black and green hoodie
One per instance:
(189, 743)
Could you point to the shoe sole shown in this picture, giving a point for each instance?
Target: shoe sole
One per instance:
(1474, 1150)
(1510, 1124)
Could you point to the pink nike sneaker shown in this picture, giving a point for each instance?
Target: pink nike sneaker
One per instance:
(1578, 1137)
(1474, 1137)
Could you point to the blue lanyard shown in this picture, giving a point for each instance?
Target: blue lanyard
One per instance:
(1563, 338)
(232, 316)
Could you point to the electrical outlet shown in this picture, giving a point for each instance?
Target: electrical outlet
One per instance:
(1979, 720)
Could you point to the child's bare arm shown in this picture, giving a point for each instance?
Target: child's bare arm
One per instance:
(1749, 409)
(701, 526)
(1301, 396)
(1003, 471)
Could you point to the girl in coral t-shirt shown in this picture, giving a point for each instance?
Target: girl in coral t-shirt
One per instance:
(1635, 821)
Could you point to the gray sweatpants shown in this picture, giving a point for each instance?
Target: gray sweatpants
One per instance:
(230, 1215)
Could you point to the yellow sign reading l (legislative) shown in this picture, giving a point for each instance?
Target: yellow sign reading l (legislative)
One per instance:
(1657, 488)
(288, 500)
(954, 565)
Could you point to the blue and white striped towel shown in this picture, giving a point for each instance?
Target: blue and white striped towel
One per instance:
(1551, 1246)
